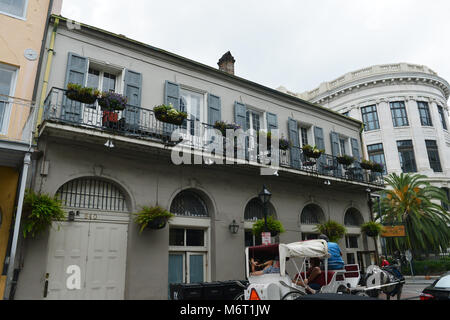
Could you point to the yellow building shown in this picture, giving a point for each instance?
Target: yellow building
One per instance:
(22, 27)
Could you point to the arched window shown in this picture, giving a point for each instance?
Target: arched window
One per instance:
(92, 193)
(353, 218)
(312, 214)
(255, 210)
(188, 203)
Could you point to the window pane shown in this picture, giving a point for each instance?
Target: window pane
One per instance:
(442, 115)
(195, 238)
(406, 155)
(109, 82)
(370, 118)
(399, 116)
(176, 237)
(14, 7)
(433, 155)
(424, 111)
(93, 78)
(6, 77)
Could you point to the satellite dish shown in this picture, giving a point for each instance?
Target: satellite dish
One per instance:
(31, 55)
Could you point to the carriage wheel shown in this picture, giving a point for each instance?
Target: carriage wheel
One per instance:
(293, 295)
(342, 289)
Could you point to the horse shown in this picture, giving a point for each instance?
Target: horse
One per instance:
(376, 276)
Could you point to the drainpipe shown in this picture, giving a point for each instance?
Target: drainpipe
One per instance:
(11, 264)
(48, 68)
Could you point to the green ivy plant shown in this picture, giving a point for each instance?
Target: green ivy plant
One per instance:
(274, 226)
(40, 210)
(332, 229)
(153, 217)
(372, 229)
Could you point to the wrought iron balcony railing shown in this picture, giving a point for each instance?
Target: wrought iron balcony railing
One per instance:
(17, 119)
(142, 123)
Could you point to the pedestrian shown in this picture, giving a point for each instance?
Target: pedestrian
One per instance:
(384, 262)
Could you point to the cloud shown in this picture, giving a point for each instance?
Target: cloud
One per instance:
(297, 44)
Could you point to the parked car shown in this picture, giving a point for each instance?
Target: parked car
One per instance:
(439, 290)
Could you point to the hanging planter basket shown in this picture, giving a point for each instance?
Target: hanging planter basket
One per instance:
(345, 160)
(312, 152)
(81, 94)
(366, 165)
(155, 218)
(157, 223)
(169, 114)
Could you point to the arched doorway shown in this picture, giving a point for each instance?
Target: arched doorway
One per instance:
(311, 215)
(91, 245)
(254, 211)
(353, 220)
(189, 237)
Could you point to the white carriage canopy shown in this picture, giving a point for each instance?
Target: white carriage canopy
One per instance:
(304, 249)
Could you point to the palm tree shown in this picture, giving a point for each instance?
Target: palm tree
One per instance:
(412, 201)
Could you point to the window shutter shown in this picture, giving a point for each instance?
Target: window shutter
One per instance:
(335, 144)
(214, 109)
(320, 143)
(272, 121)
(172, 94)
(240, 115)
(355, 149)
(133, 91)
(294, 138)
(76, 72)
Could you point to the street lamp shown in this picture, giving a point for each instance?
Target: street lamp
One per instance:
(265, 196)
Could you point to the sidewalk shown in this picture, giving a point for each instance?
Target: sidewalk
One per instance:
(420, 279)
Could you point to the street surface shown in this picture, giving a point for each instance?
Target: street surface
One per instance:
(412, 289)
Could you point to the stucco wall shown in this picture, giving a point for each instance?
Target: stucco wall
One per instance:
(143, 175)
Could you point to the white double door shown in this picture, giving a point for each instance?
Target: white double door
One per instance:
(86, 261)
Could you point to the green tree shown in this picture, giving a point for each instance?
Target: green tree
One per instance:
(412, 201)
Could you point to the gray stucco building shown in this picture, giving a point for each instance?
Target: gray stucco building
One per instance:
(103, 175)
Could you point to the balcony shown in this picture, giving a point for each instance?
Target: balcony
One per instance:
(139, 123)
(17, 118)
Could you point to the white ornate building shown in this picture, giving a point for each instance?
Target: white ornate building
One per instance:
(405, 114)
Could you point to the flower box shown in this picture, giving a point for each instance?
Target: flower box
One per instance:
(110, 101)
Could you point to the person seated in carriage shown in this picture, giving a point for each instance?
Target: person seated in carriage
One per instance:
(270, 266)
(312, 274)
(335, 262)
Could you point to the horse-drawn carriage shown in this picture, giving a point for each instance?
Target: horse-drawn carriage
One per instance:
(282, 286)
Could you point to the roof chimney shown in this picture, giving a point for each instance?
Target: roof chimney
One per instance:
(226, 63)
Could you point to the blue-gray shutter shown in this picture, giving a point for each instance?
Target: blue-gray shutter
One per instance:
(355, 151)
(240, 115)
(320, 143)
(335, 150)
(133, 91)
(214, 109)
(272, 121)
(294, 138)
(171, 96)
(76, 72)
(240, 118)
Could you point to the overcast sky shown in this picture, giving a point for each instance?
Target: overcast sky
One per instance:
(297, 44)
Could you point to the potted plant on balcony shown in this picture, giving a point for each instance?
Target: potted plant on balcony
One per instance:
(82, 94)
(223, 126)
(40, 210)
(312, 152)
(153, 218)
(334, 230)
(284, 144)
(168, 114)
(378, 167)
(274, 227)
(366, 164)
(372, 229)
(345, 160)
(111, 103)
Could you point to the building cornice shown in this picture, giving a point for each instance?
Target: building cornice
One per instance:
(393, 74)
